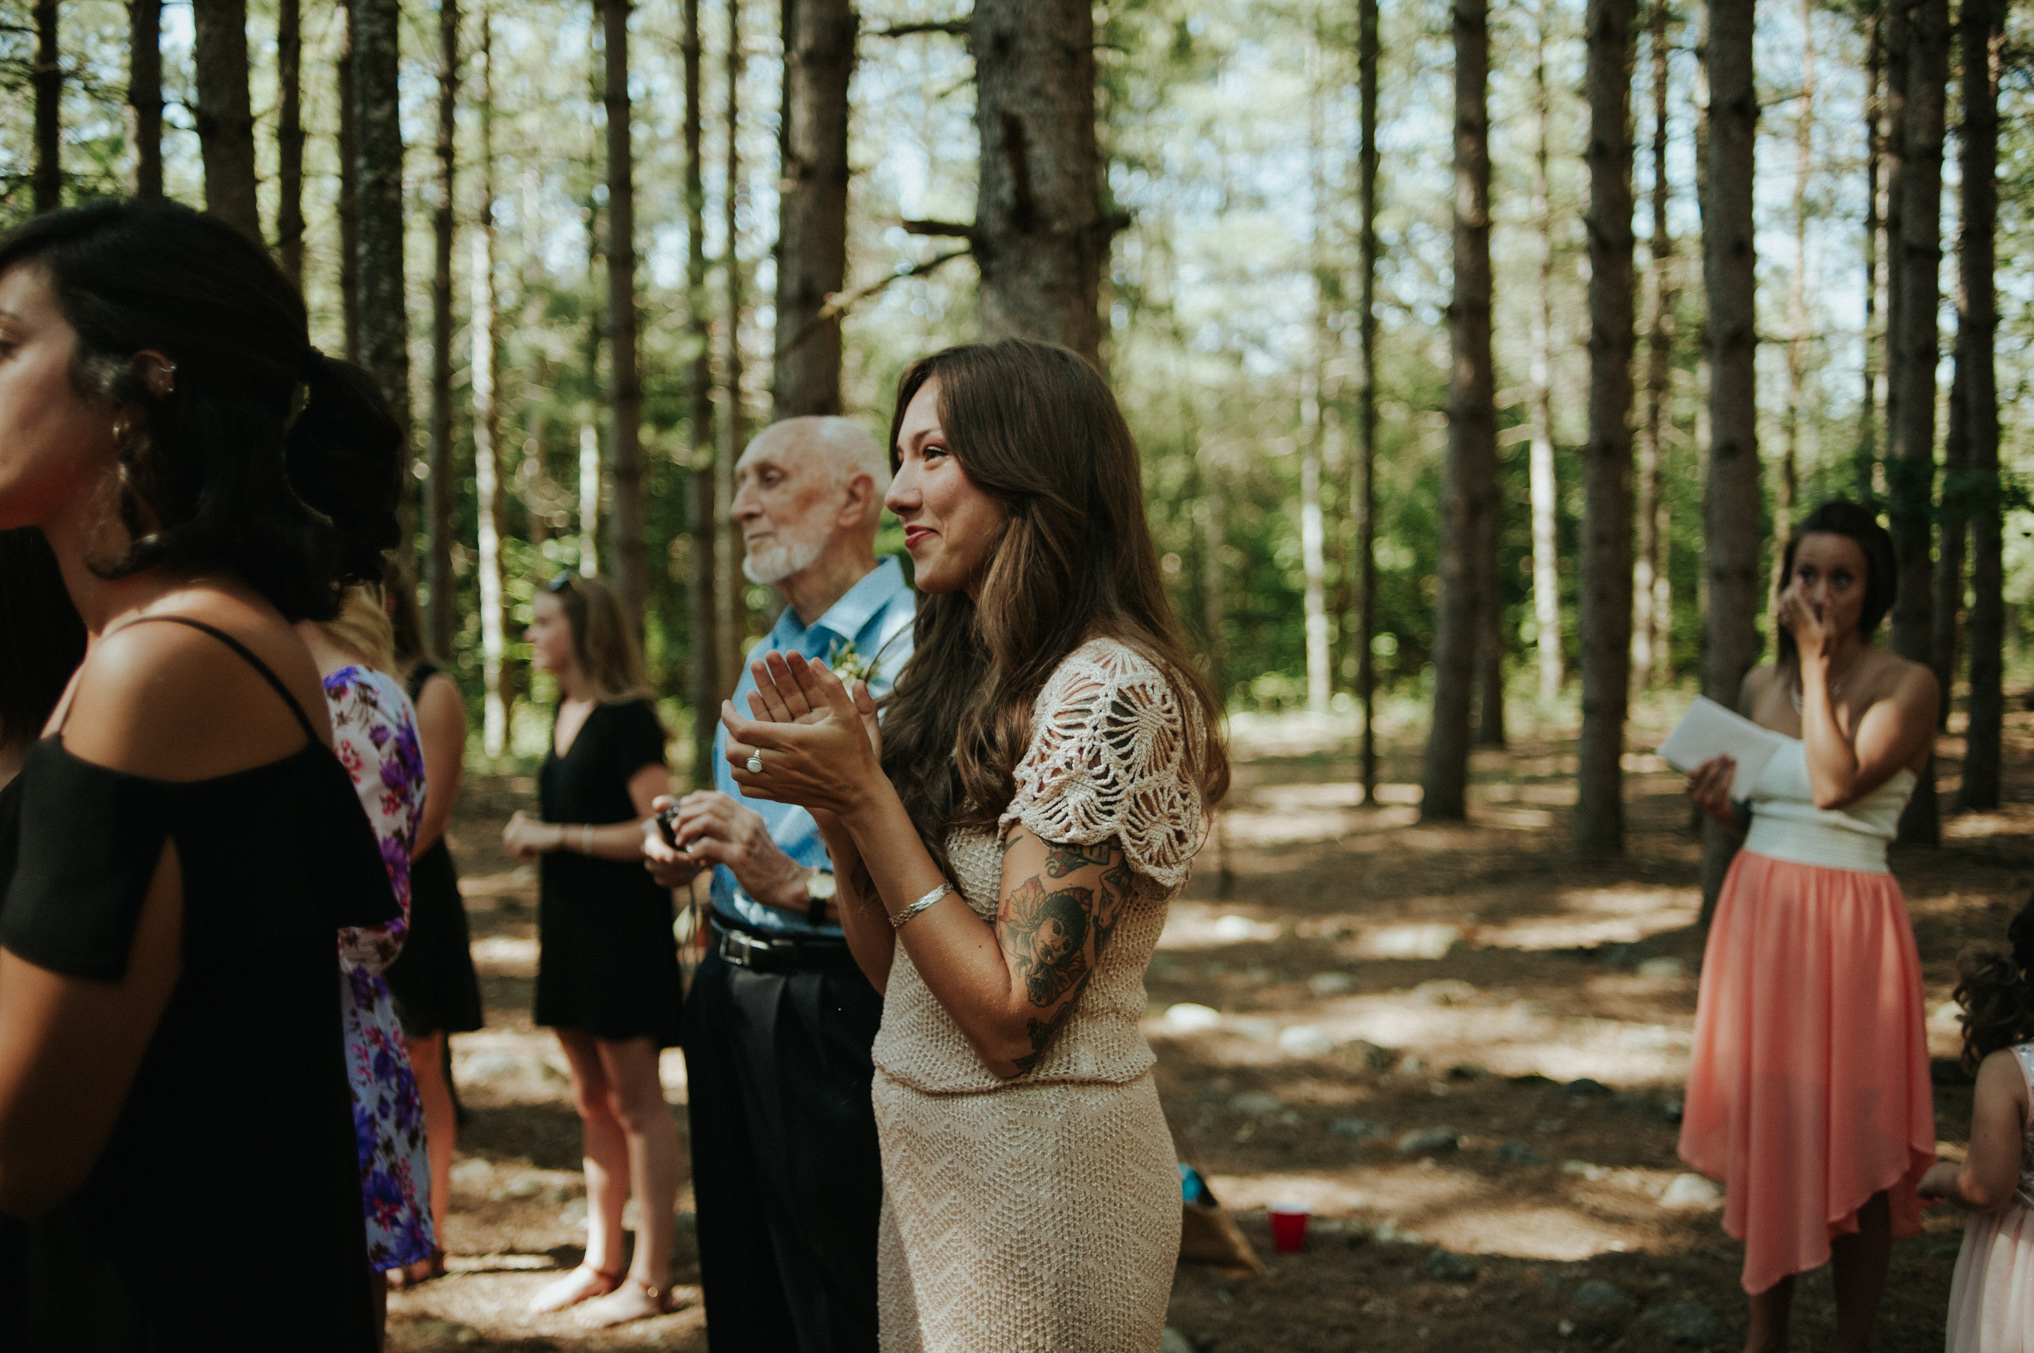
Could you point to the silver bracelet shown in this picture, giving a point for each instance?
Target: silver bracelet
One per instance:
(899, 918)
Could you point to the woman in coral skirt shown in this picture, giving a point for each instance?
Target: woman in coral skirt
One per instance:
(1808, 1090)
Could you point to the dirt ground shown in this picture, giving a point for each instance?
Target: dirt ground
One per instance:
(1463, 1046)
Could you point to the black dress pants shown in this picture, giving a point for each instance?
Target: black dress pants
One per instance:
(786, 1168)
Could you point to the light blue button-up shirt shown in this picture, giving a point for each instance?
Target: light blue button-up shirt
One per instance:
(875, 616)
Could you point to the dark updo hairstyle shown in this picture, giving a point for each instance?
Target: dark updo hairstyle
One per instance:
(1992, 988)
(42, 640)
(263, 456)
(1882, 568)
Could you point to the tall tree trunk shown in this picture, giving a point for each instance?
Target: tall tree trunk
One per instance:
(1041, 239)
(1946, 615)
(487, 424)
(378, 176)
(1730, 525)
(49, 119)
(589, 489)
(348, 206)
(1651, 600)
(1864, 459)
(1314, 405)
(730, 622)
(625, 402)
(144, 94)
(1982, 30)
(289, 78)
(819, 58)
(444, 613)
(1910, 468)
(709, 684)
(1544, 488)
(1899, 31)
(1469, 502)
(1366, 394)
(1798, 337)
(1604, 618)
(225, 116)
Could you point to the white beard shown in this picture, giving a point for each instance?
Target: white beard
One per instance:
(776, 559)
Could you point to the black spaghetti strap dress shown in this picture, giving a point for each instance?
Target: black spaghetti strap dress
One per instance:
(240, 1107)
(435, 987)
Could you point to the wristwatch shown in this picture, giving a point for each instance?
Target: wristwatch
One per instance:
(820, 888)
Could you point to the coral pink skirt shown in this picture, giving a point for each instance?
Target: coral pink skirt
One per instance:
(1808, 1088)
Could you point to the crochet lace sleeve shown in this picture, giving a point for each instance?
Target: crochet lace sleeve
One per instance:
(1111, 757)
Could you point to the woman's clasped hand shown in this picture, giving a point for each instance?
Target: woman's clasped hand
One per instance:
(818, 742)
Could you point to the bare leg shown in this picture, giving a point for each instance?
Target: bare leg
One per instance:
(441, 1136)
(605, 1158)
(1860, 1264)
(637, 1098)
(1769, 1312)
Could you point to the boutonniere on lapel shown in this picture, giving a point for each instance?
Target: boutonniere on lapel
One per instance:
(844, 662)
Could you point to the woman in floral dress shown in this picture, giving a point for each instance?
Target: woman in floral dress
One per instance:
(374, 733)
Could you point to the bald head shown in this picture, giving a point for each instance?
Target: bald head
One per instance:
(808, 494)
(837, 448)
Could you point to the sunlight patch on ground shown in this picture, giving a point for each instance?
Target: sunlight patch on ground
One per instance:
(1590, 916)
(505, 956)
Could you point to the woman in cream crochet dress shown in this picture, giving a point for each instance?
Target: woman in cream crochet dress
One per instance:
(1006, 844)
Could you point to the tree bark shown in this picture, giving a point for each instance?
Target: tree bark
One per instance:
(1366, 394)
(144, 94)
(1652, 625)
(625, 401)
(443, 617)
(1041, 238)
(1469, 501)
(289, 208)
(378, 175)
(1899, 33)
(225, 116)
(1544, 487)
(348, 205)
(730, 619)
(1314, 409)
(1730, 525)
(1798, 337)
(1864, 458)
(1910, 467)
(1604, 619)
(49, 100)
(819, 59)
(487, 425)
(709, 684)
(1982, 32)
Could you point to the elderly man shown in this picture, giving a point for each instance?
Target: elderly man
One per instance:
(779, 1021)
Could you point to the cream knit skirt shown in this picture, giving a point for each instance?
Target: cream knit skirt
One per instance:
(1031, 1218)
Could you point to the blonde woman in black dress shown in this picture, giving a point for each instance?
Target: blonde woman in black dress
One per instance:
(607, 978)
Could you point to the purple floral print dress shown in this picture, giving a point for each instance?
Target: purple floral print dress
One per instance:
(374, 732)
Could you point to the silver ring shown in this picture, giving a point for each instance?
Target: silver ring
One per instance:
(755, 762)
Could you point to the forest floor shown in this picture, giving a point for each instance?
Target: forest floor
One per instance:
(1462, 1045)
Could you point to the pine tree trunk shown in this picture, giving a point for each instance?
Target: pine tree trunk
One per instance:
(1543, 485)
(1910, 466)
(1864, 458)
(1946, 615)
(443, 617)
(1798, 337)
(1314, 417)
(49, 99)
(487, 425)
(144, 94)
(625, 403)
(378, 176)
(819, 59)
(1899, 31)
(709, 684)
(289, 208)
(1982, 32)
(731, 616)
(348, 204)
(1040, 237)
(225, 117)
(1469, 490)
(1366, 395)
(1730, 525)
(1604, 618)
(1651, 619)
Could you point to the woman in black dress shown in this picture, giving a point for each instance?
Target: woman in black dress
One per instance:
(436, 990)
(607, 979)
(180, 847)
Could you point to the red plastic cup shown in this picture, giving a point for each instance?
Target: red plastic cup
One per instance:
(1289, 1227)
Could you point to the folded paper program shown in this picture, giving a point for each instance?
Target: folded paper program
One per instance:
(1708, 730)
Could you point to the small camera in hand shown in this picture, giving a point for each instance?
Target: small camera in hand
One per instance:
(667, 827)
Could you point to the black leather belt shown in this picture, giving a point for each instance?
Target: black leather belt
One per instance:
(778, 953)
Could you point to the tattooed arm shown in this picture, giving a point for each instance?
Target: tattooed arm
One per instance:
(1061, 904)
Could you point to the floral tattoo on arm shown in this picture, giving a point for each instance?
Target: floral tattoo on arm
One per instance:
(1049, 930)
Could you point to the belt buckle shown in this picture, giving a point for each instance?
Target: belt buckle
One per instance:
(741, 948)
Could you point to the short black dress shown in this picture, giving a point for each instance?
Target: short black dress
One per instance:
(432, 979)
(609, 962)
(240, 1107)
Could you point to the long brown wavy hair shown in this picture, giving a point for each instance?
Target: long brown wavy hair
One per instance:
(1992, 988)
(1035, 426)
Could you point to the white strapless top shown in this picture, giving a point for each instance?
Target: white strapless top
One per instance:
(1786, 824)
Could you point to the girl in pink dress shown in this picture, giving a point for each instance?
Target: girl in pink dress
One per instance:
(1991, 1299)
(1808, 1090)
